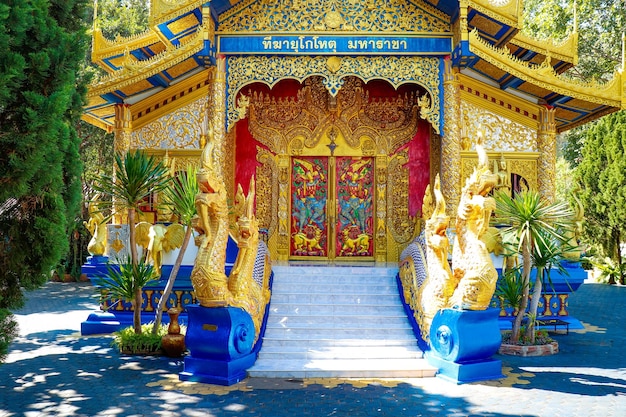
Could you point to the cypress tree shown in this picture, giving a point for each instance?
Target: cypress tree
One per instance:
(42, 46)
(602, 177)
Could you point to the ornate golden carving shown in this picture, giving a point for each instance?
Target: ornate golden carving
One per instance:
(179, 129)
(283, 207)
(471, 263)
(546, 142)
(566, 50)
(505, 11)
(380, 230)
(440, 284)
(501, 133)
(217, 97)
(333, 15)
(165, 10)
(396, 70)
(401, 224)
(544, 75)
(267, 189)
(280, 124)
(450, 142)
(211, 286)
(98, 229)
(158, 238)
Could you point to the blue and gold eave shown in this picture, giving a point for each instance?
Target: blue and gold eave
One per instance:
(538, 81)
(141, 66)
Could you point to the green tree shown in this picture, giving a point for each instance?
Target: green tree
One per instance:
(122, 17)
(600, 27)
(602, 177)
(42, 44)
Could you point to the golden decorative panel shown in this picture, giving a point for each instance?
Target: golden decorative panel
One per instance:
(396, 70)
(137, 87)
(401, 224)
(182, 24)
(286, 124)
(334, 15)
(486, 25)
(535, 90)
(266, 190)
(451, 139)
(500, 133)
(179, 129)
(182, 68)
(581, 104)
(164, 10)
(490, 70)
(567, 114)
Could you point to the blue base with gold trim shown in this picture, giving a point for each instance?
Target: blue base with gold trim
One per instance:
(220, 342)
(218, 372)
(463, 373)
(462, 343)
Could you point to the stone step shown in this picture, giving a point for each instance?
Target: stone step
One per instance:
(305, 344)
(322, 309)
(289, 352)
(342, 322)
(388, 321)
(329, 298)
(343, 368)
(317, 288)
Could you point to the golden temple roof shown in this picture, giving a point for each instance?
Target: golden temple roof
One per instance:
(184, 37)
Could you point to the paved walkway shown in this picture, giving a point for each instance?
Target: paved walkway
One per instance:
(53, 371)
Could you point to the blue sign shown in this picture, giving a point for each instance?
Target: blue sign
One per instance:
(336, 45)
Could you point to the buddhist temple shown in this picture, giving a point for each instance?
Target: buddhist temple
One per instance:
(344, 110)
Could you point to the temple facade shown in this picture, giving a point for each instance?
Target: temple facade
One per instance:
(344, 110)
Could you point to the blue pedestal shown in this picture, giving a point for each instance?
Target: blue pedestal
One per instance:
(462, 343)
(100, 322)
(95, 266)
(220, 343)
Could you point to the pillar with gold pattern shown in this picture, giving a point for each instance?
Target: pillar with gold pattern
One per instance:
(451, 140)
(546, 142)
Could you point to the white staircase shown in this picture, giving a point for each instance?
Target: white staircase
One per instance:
(338, 322)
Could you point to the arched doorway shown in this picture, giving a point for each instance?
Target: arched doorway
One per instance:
(322, 162)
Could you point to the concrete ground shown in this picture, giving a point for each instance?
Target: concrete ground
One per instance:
(53, 371)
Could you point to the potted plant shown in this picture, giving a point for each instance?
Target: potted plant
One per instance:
(121, 283)
(135, 178)
(144, 343)
(539, 230)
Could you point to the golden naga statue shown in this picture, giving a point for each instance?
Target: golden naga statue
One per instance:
(440, 283)
(471, 263)
(208, 278)
(158, 238)
(98, 229)
(211, 286)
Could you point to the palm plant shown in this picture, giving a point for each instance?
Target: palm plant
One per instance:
(532, 222)
(510, 288)
(135, 178)
(180, 198)
(547, 254)
(125, 282)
